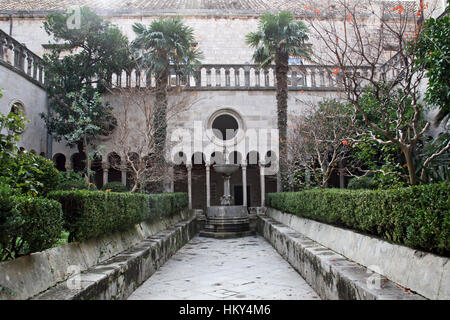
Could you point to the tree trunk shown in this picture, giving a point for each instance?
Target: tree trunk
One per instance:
(88, 161)
(410, 164)
(325, 177)
(281, 70)
(160, 122)
(161, 113)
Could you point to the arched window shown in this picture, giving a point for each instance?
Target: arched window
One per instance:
(225, 126)
(19, 109)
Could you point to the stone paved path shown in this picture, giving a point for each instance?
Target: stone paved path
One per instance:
(206, 269)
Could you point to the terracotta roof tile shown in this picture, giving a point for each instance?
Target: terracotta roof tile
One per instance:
(164, 5)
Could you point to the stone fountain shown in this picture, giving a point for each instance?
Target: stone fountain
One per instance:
(226, 220)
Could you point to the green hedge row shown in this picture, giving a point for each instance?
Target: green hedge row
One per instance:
(417, 216)
(115, 186)
(89, 214)
(27, 225)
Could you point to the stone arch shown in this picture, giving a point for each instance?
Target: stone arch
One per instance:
(78, 161)
(253, 158)
(17, 107)
(217, 157)
(270, 157)
(198, 158)
(97, 168)
(60, 161)
(114, 173)
(180, 158)
(180, 172)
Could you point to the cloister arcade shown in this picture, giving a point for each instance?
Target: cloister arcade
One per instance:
(194, 175)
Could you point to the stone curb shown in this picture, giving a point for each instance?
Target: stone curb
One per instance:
(119, 276)
(331, 275)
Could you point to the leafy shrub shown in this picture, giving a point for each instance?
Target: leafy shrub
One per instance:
(115, 187)
(30, 174)
(10, 125)
(71, 180)
(92, 214)
(70, 175)
(72, 185)
(362, 183)
(417, 216)
(27, 224)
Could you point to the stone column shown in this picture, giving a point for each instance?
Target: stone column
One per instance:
(105, 167)
(68, 164)
(208, 185)
(168, 181)
(172, 179)
(279, 187)
(189, 171)
(262, 182)
(244, 184)
(123, 171)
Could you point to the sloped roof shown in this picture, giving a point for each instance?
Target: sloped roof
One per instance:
(177, 6)
(43, 5)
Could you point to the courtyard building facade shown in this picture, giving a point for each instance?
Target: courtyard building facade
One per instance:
(229, 92)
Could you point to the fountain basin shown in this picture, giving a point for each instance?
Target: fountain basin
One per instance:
(226, 222)
(226, 169)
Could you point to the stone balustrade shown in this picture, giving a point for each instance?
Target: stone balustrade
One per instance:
(17, 57)
(239, 77)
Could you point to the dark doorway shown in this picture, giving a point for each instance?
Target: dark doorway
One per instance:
(239, 196)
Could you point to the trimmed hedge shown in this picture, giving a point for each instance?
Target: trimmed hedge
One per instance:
(362, 183)
(90, 214)
(28, 224)
(417, 216)
(115, 187)
(73, 185)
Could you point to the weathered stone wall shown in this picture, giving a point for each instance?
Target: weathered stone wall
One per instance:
(33, 97)
(220, 38)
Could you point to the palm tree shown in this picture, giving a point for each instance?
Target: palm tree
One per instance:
(166, 44)
(277, 38)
